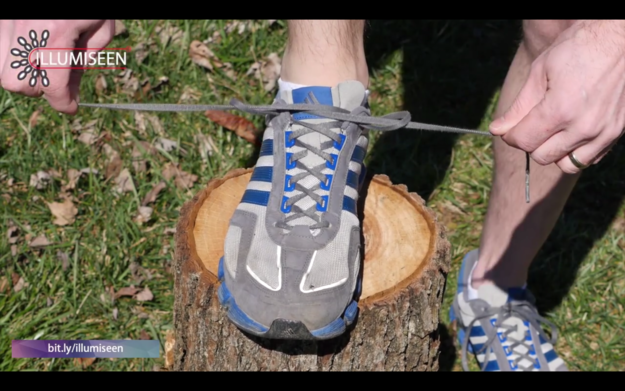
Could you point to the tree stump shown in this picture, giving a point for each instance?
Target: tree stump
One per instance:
(406, 260)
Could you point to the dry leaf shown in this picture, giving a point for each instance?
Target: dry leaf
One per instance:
(139, 164)
(40, 241)
(13, 250)
(268, 70)
(100, 84)
(166, 145)
(152, 194)
(169, 171)
(144, 335)
(144, 295)
(84, 361)
(19, 285)
(141, 52)
(201, 55)
(126, 291)
(115, 313)
(64, 213)
(129, 83)
(140, 122)
(13, 234)
(185, 180)
(143, 215)
(170, 342)
(205, 144)
(163, 80)
(189, 95)
(49, 302)
(88, 137)
(228, 69)
(114, 166)
(72, 178)
(271, 21)
(169, 34)
(64, 258)
(123, 182)
(4, 284)
(120, 28)
(6, 197)
(239, 125)
(169, 231)
(40, 180)
(157, 126)
(32, 121)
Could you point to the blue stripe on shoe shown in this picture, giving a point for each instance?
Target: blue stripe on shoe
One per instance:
(492, 366)
(352, 179)
(551, 355)
(349, 204)
(256, 197)
(266, 148)
(359, 155)
(323, 95)
(262, 174)
(477, 331)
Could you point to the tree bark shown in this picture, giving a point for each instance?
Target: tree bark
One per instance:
(406, 261)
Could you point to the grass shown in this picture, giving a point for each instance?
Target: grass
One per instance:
(445, 72)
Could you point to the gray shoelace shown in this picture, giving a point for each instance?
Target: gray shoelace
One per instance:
(523, 310)
(341, 119)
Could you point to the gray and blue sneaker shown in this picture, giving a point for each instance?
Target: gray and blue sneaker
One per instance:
(503, 330)
(291, 261)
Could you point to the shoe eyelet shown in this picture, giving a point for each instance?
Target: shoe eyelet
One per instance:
(288, 142)
(324, 205)
(283, 207)
(332, 164)
(289, 163)
(326, 185)
(337, 145)
(288, 186)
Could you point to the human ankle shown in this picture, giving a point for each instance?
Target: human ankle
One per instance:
(315, 72)
(501, 272)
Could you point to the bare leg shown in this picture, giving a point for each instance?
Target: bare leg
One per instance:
(325, 52)
(514, 231)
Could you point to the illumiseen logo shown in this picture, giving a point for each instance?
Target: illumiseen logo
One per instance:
(37, 57)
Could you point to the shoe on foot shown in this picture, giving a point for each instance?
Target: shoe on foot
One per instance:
(292, 252)
(502, 329)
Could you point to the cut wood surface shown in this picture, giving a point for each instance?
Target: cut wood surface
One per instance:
(406, 260)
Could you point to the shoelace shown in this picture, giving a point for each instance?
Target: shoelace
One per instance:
(393, 121)
(522, 310)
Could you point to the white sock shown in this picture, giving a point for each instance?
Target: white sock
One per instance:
(473, 294)
(287, 86)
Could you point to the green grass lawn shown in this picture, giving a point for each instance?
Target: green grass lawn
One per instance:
(444, 72)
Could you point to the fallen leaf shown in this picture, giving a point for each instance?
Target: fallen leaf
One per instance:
(140, 122)
(144, 295)
(126, 291)
(169, 231)
(239, 125)
(144, 335)
(153, 194)
(115, 163)
(129, 83)
(64, 213)
(100, 84)
(201, 55)
(205, 144)
(166, 145)
(84, 361)
(88, 137)
(139, 164)
(13, 234)
(40, 242)
(115, 313)
(228, 69)
(72, 178)
(141, 52)
(64, 258)
(267, 71)
(32, 121)
(156, 368)
(15, 278)
(49, 302)
(143, 215)
(157, 126)
(19, 285)
(123, 182)
(6, 197)
(120, 28)
(4, 284)
(54, 173)
(169, 171)
(271, 21)
(189, 95)
(169, 34)
(162, 81)
(13, 250)
(40, 180)
(170, 343)
(185, 180)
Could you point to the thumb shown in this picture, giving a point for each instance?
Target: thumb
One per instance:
(530, 95)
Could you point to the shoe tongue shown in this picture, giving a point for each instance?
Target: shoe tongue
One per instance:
(347, 95)
(493, 295)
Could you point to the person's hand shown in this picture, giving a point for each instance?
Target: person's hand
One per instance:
(574, 98)
(61, 91)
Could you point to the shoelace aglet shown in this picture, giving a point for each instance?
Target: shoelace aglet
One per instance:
(527, 177)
